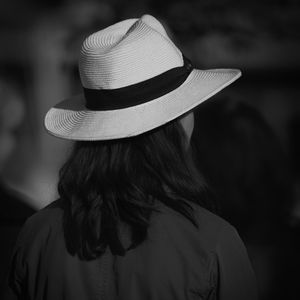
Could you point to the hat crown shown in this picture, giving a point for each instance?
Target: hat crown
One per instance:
(127, 53)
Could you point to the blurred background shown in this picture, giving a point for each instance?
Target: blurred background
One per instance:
(246, 139)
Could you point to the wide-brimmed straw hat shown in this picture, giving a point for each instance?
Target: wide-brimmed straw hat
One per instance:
(134, 79)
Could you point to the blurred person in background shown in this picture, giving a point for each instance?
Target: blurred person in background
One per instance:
(28, 168)
(14, 208)
(51, 43)
(133, 219)
(244, 164)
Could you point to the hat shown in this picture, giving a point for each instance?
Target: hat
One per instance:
(134, 79)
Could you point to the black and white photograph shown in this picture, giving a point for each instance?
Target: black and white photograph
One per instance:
(149, 150)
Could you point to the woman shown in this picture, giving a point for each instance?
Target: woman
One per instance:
(131, 222)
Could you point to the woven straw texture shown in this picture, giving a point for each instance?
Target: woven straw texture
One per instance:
(123, 54)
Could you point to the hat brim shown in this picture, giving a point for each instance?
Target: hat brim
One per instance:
(70, 119)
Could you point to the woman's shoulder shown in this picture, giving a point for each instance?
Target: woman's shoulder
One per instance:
(214, 227)
(49, 215)
(211, 228)
(211, 221)
(42, 223)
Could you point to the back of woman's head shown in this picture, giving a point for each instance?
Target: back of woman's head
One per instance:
(106, 183)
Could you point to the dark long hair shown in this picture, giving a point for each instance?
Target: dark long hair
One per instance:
(104, 183)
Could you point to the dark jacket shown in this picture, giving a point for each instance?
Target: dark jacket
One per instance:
(14, 211)
(176, 262)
